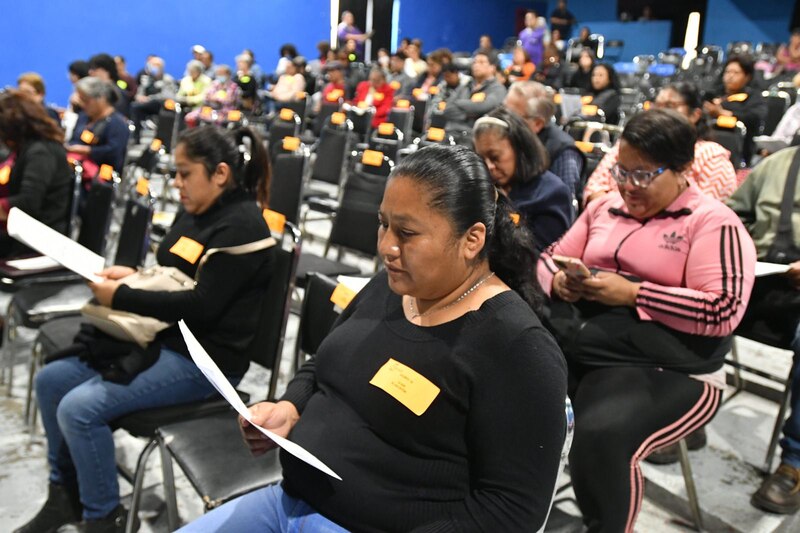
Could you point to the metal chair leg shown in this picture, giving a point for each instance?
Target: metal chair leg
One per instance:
(776, 430)
(691, 490)
(138, 484)
(30, 404)
(173, 520)
(9, 336)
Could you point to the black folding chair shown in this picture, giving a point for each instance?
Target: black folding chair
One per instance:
(286, 185)
(286, 124)
(778, 102)
(325, 111)
(731, 134)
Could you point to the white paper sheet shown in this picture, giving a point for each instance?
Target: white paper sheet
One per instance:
(353, 283)
(767, 269)
(33, 263)
(212, 372)
(51, 243)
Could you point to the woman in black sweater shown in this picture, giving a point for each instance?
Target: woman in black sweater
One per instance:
(219, 176)
(438, 397)
(36, 178)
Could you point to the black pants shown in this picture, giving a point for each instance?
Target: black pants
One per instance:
(140, 111)
(622, 414)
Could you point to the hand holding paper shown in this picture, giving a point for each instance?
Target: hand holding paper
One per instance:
(223, 386)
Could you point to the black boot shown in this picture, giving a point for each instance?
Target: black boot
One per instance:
(113, 522)
(62, 507)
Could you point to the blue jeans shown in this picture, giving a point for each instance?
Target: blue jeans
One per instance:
(77, 406)
(267, 510)
(791, 429)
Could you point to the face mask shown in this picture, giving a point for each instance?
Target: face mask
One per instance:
(153, 70)
(384, 61)
(222, 79)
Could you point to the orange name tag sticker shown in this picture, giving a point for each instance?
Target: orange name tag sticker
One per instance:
(301, 95)
(557, 98)
(338, 118)
(514, 218)
(143, 186)
(187, 249)
(385, 128)
(5, 175)
(275, 221)
(106, 172)
(738, 97)
(206, 111)
(433, 90)
(286, 114)
(585, 147)
(334, 95)
(726, 122)
(156, 145)
(417, 93)
(478, 97)
(362, 105)
(372, 158)
(378, 97)
(435, 134)
(342, 296)
(406, 385)
(290, 144)
(442, 106)
(234, 115)
(587, 99)
(395, 85)
(87, 136)
(403, 104)
(169, 104)
(589, 110)
(647, 105)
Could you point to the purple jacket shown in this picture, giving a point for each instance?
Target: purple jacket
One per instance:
(533, 43)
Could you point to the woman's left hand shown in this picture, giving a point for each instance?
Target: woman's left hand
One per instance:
(104, 291)
(610, 289)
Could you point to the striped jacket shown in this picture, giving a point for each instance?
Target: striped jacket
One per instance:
(711, 171)
(695, 258)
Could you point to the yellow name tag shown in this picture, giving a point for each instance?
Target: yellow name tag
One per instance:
(187, 249)
(290, 144)
(435, 134)
(287, 114)
(738, 97)
(385, 128)
(442, 106)
(87, 136)
(726, 122)
(395, 85)
(300, 96)
(5, 175)
(406, 385)
(106, 172)
(338, 118)
(335, 95)
(417, 93)
(403, 104)
(169, 104)
(378, 97)
(647, 105)
(342, 296)
(585, 147)
(156, 145)
(206, 111)
(234, 115)
(372, 158)
(433, 90)
(362, 105)
(478, 97)
(557, 98)
(143, 186)
(275, 221)
(589, 110)
(587, 99)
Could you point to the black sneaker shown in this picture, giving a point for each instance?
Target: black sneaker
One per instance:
(114, 522)
(670, 454)
(62, 507)
(780, 492)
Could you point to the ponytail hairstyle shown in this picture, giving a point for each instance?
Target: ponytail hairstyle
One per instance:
(461, 189)
(241, 149)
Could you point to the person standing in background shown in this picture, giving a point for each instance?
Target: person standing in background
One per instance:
(562, 20)
(531, 38)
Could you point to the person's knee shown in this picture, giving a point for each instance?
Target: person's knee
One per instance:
(47, 380)
(76, 410)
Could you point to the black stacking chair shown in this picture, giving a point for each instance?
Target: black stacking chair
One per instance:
(325, 111)
(286, 185)
(362, 122)
(286, 124)
(778, 102)
(420, 112)
(403, 120)
(731, 134)
(298, 106)
(317, 316)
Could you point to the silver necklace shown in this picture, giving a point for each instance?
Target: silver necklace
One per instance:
(415, 314)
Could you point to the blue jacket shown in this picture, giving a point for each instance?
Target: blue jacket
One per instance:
(545, 204)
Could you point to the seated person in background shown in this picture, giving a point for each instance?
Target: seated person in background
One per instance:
(582, 78)
(788, 56)
(485, 444)
(401, 82)
(209, 67)
(32, 83)
(39, 180)
(194, 85)
(289, 84)
(517, 162)
(605, 91)
(104, 67)
(645, 332)
(222, 95)
(375, 92)
(533, 102)
(774, 309)
(452, 80)
(246, 81)
(549, 71)
(521, 67)
(556, 40)
(335, 89)
(710, 171)
(287, 52)
(101, 132)
(78, 404)
(432, 77)
(156, 87)
(415, 66)
(256, 71)
(788, 126)
(485, 46)
(739, 99)
(131, 85)
(473, 100)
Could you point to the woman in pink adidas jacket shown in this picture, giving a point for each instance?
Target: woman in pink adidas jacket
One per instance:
(646, 334)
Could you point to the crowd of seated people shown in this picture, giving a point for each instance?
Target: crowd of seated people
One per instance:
(632, 336)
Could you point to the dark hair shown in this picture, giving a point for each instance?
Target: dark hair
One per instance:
(105, 62)
(694, 100)
(23, 119)
(80, 68)
(460, 189)
(379, 71)
(613, 80)
(744, 61)
(399, 54)
(288, 50)
(664, 136)
(531, 156)
(241, 149)
(490, 57)
(450, 67)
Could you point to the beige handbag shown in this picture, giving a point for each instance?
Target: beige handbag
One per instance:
(140, 329)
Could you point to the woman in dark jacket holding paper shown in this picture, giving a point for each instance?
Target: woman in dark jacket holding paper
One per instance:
(219, 176)
(36, 177)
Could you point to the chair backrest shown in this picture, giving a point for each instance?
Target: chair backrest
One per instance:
(354, 225)
(96, 217)
(362, 123)
(387, 139)
(286, 185)
(373, 162)
(134, 234)
(167, 129)
(331, 154)
(403, 120)
(732, 139)
(777, 105)
(283, 127)
(420, 111)
(299, 106)
(267, 346)
(325, 111)
(317, 314)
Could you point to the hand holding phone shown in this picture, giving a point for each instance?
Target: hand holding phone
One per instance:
(572, 267)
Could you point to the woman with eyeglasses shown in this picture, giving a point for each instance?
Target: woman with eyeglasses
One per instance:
(711, 170)
(646, 326)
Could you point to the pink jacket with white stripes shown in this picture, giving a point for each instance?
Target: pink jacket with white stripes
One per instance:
(695, 258)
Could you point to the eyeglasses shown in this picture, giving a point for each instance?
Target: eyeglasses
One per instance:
(640, 178)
